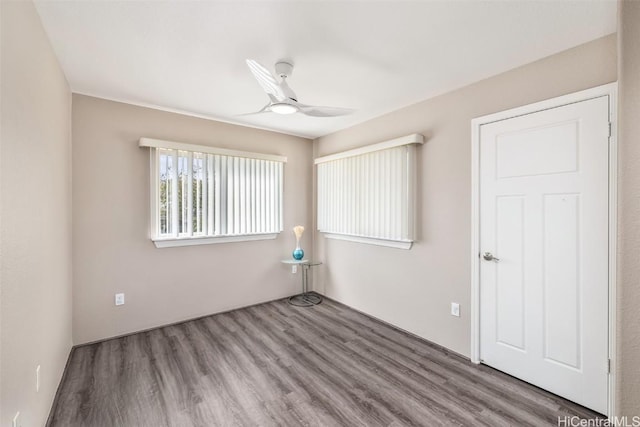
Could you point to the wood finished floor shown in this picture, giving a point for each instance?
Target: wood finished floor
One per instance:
(279, 365)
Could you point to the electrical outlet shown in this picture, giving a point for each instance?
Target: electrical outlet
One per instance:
(294, 269)
(455, 309)
(38, 379)
(15, 420)
(119, 299)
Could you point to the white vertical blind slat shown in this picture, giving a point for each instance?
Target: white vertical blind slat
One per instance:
(343, 204)
(327, 202)
(386, 172)
(353, 193)
(411, 182)
(252, 196)
(198, 200)
(280, 176)
(259, 196)
(267, 177)
(189, 207)
(224, 190)
(336, 190)
(322, 188)
(209, 193)
(263, 188)
(335, 218)
(174, 192)
(202, 165)
(247, 196)
(274, 199)
(229, 195)
(217, 194)
(378, 195)
(396, 184)
(325, 180)
(236, 195)
(242, 214)
(272, 190)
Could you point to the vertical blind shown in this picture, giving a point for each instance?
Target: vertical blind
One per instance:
(216, 195)
(205, 192)
(369, 194)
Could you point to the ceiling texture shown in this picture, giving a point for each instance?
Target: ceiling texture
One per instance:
(373, 56)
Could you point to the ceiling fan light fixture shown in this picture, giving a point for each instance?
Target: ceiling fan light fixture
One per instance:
(283, 108)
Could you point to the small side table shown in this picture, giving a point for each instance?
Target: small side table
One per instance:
(306, 298)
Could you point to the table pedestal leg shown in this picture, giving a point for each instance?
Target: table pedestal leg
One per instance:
(306, 298)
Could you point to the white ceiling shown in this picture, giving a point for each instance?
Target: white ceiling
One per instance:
(373, 56)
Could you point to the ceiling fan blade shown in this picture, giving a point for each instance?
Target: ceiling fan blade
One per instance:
(312, 111)
(265, 109)
(266, 80)
(287, 91)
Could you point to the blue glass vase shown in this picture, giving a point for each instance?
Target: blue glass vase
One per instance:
(298, 253)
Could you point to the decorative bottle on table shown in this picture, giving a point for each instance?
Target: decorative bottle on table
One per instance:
(298, 253)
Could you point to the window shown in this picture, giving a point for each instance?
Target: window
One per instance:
(367, 194)
(204, 195)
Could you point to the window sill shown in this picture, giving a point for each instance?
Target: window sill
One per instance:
(208, 240)
(398, 244)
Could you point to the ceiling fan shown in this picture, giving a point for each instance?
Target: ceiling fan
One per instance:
(283, 100)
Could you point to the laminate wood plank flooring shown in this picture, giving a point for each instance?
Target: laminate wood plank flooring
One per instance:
(279, 365)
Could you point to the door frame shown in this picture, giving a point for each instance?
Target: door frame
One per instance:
(610, 90)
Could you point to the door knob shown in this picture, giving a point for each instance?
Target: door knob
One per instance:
(488, 256)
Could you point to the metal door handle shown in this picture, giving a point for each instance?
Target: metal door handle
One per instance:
(488, 256)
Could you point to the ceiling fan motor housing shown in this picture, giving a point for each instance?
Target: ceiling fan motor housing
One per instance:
(284, 69)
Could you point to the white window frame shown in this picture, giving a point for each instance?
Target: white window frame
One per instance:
(340, 224)
(187, 239)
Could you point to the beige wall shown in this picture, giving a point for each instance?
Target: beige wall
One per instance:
(413, 289)
(35, 233)
(111, 248)
(629, 209)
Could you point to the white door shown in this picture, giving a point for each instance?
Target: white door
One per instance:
(544, 219)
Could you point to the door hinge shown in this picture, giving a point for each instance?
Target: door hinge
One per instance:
(610, 132)
(608, 366)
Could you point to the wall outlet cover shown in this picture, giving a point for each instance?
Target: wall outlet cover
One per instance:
(455, 309)
(119, 299)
